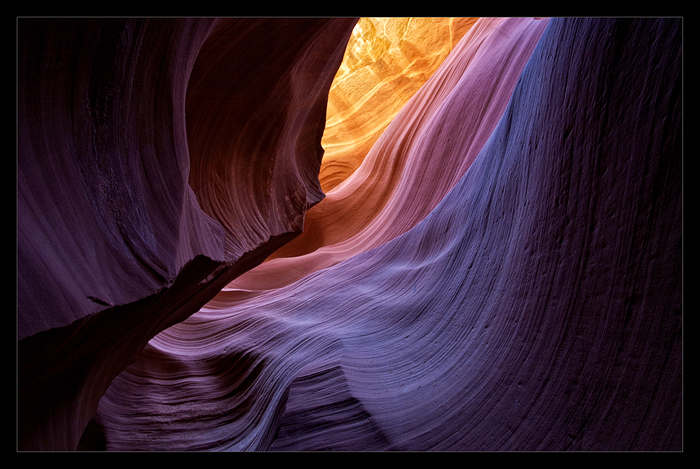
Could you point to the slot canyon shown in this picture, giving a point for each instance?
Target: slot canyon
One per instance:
(349, 234)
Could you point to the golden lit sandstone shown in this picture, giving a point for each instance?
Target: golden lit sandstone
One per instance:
(538, 307)
(405, 174)
(387, 60)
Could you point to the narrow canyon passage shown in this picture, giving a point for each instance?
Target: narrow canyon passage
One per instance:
(494, 265)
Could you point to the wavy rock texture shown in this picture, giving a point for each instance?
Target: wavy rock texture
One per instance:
(131, 217)
(536, 307)
(386, 62)
(404, 176)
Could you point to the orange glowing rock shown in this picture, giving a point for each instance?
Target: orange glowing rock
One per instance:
(386, 61)
(405, 174)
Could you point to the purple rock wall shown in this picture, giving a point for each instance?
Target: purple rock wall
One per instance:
(537, 307)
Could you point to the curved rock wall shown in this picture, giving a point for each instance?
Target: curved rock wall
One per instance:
(132, 216)
(536, 307)
(386, 62)
(256, 108)
(519, 289)
(415, 162)
(105, 215)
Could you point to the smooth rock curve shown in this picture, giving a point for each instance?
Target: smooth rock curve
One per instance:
(118, 237)
(386, 62)
(538, 306)
(415, 162)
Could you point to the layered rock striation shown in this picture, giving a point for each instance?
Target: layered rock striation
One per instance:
(536, 306)
(415, 162)
(386, 62)
(132, 215)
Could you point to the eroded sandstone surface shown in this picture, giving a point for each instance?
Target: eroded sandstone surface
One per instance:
(387, 60)
(508, 278)
(132, 214)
